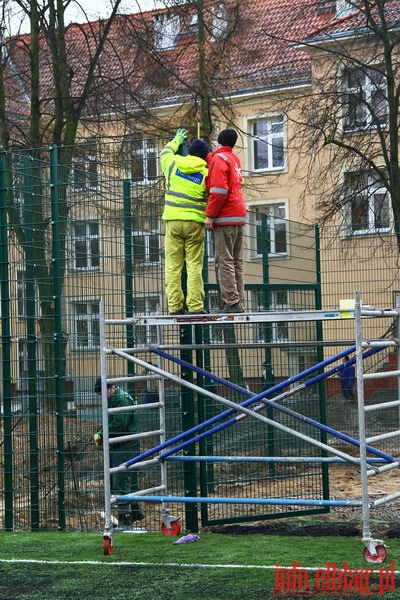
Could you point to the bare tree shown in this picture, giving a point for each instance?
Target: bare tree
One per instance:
(73, 76)
(57, 85)
(348, 126)
(190, 52)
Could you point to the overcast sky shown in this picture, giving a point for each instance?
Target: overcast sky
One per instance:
(95, 9)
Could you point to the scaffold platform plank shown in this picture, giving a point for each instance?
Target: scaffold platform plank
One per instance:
(218, 318)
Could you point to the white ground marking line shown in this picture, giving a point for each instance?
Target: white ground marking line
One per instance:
(159, 564)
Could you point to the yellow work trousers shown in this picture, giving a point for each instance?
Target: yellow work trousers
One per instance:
(184, 244)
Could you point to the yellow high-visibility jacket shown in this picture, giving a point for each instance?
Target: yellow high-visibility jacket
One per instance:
(185, 185)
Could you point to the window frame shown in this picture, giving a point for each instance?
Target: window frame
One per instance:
(373, 187)
(220, 21)
(166, 28)
(88, 240)
(83, 164)
(352, 106)
(146, 235)
(146, 156)
(209, 244)
(255, 226)
(151, 306)
(23, 369)
(345, 7)
(258, 329)
(215, 332)
(256, 138)
(93, 337)
(22, 296)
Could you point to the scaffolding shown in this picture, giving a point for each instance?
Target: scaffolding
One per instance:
(370, 460)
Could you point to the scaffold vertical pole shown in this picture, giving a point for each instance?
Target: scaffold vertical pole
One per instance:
(361, 420)
(374, 551)
(108, 528)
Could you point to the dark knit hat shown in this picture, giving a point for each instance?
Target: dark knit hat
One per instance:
(97, 385)
(228, 137)
(199, 148)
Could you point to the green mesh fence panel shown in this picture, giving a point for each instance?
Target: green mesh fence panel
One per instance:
(82, 226)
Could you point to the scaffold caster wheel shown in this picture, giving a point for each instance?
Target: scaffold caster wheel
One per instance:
(173, 529)
(377, 558)
(107, 546)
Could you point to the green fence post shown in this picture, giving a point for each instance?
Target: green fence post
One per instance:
(188, 421)
(5, 187)
(58, 335)
(269, 372)
(203, 360)
(320, 357)
(31, 342)
(128, 258)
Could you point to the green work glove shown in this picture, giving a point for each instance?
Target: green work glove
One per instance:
(181, 136)
(98, 440)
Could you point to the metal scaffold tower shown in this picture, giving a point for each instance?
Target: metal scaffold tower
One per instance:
(370, 460)
(375, 550)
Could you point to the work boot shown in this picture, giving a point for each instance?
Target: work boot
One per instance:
(181, 311)
(137, 513)
(234, 308)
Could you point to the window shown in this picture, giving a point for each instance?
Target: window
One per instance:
(146, 246)
(23, 370)
(220, 21)
(364, 97)
(193, 23)
(84, 173)
(22, 167)
(145, 334)
(210, 245)
(23, 296)
(86, 323)
(274, 238)
(166, 31)
(141, 155)
(345, 7)
(267, 144)
(216, 335)
(18, 182)
(368, 207)
(276, 300)
(85, 245)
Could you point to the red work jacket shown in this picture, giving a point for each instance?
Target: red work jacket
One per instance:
(224, 186)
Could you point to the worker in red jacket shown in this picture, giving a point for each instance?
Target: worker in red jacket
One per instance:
(226, 216)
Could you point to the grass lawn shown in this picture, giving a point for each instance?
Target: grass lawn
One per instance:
(53, 566)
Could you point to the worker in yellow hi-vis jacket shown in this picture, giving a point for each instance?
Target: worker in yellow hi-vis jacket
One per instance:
(184, 215)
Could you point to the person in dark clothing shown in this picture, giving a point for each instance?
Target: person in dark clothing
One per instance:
(347, 375)
(120, 424)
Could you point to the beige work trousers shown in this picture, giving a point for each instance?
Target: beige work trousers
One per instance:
(229, 263)
(184, 244)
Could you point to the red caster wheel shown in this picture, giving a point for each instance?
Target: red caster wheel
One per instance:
(377, 558)
(107, 546)
(173, 529)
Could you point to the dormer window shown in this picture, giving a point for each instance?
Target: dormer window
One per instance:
(220, 22)
(166, 31)
(345, 7)
(194, 23)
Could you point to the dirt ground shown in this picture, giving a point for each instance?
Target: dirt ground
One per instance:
(344, 483)
(342, 520)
